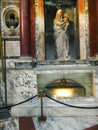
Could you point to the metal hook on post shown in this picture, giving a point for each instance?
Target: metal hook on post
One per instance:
(42, 118)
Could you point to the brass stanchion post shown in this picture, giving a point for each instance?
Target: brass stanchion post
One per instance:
(42, 118)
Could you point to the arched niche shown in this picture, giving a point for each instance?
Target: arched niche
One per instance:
(65, 88)
(10, 21)
(12, 18)
(80, 30)
(82, 80)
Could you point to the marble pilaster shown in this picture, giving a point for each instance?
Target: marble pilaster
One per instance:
(25, 27)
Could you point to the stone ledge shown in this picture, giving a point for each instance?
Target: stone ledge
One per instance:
(25, 65)
(26, 62)
(52, 112)
(92, 62)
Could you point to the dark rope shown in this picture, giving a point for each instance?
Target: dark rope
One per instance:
(71, 105)
(18, 103)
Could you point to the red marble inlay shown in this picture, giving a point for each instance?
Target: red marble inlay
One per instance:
(32, 28)
(25, 27)
(81, 6)
(93, 26)
(92, 128)
(26, 123)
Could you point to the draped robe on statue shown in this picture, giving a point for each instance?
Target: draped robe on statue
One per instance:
(61, 42)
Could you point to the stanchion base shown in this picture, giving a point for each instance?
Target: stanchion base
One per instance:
(42, 119)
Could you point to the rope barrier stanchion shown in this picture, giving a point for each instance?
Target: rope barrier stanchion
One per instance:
(79, 107)
(41, 118)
